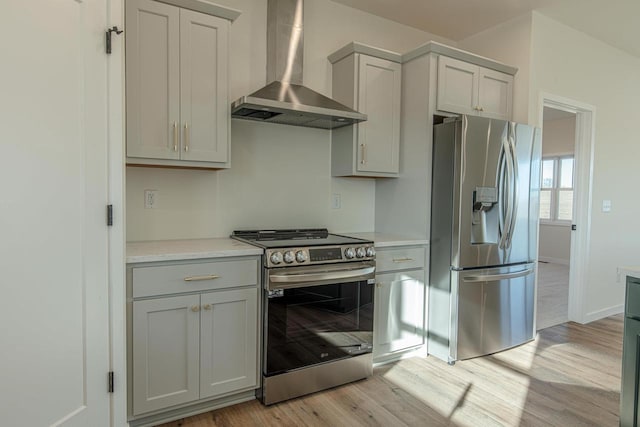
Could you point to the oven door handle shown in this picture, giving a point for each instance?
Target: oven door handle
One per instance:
(299, 280)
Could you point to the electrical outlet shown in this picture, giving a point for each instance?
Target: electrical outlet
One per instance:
(336, 203)
(150, 199)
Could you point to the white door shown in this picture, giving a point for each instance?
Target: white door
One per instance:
(53, 252)
(153, 76)
(228, 353)
(400, 310)
(495, 94)
(204, 43)
(379, 99)
(457, 86)
(166, 348)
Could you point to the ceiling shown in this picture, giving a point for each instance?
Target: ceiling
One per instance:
(616, 22)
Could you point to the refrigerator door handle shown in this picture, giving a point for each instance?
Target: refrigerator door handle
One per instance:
(504, 184)
(513, 183)
(496, 277)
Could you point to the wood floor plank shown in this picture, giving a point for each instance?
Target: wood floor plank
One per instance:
(568, 376)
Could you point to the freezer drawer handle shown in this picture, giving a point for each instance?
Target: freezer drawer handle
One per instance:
(199, 278)
(494, 277)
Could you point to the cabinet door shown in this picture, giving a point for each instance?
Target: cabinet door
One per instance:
(629, 408)
(165, 352)
(229, 352)
(152, 61)
(495, 94)
(399, 306)
(379, 98)
(457, 86)
(203, 87)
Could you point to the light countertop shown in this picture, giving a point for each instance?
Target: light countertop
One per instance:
(386, 240)
(172, 250)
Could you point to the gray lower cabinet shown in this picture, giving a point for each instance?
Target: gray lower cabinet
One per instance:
(629, 405)
(165, 352)
(228, 343)
(400, 301)
(196, 339)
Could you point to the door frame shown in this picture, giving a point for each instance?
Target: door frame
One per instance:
(583, 188)
(116, 192)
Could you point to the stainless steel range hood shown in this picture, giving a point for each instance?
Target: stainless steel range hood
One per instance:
(285, 100)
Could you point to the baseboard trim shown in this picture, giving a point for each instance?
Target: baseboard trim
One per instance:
(553, 260)
(601, 314)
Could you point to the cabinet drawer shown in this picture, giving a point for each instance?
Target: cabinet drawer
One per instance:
(400, 259)
(171, 279)
(633, 298)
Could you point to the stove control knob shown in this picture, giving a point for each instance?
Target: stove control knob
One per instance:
(301, 256)
(361, 252)
(371, 251)
(276, 257)
(349, 253)
(288, 257)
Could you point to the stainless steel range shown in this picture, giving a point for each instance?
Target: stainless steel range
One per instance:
(317, 310)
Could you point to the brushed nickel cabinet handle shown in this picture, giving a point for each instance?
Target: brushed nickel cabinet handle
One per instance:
(175, 136)
(362, 158)
(195, 308)
(186, 137)
(199, 278)
(207, 306)
(402, 259)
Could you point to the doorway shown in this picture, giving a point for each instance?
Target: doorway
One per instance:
(556, 216)
(565, 209)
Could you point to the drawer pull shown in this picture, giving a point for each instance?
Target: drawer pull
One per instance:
(199, 278)
(195, 308)
(402, 259)
(207, 306)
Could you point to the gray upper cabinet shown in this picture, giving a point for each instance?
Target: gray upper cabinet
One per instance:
(176, 86)
(466, 88)
(368, 80)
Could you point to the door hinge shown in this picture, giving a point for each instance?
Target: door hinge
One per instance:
(573, 227)
(108, 37)
(110, 382)
(109, 215)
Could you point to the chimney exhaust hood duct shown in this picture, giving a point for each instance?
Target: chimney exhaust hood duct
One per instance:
(285, 100)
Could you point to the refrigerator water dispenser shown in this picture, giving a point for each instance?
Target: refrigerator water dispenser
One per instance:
(484, 221)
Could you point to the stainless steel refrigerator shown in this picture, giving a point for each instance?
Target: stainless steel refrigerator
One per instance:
(484, 236)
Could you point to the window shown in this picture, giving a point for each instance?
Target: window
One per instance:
(556, 189)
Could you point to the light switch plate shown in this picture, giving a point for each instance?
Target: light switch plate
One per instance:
(606, 206)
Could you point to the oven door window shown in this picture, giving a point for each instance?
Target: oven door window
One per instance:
(317, 324)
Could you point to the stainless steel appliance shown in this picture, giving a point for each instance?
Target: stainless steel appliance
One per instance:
(317, 310)
(285, 100)
(484, 236)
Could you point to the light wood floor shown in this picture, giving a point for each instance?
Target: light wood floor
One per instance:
(568, 376)
(553, 295)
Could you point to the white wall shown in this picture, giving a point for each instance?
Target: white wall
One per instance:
(569, 63)
(280, 175)
(509, 43)
(558, 138)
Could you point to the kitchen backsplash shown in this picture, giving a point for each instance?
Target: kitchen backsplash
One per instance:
(280, 176)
